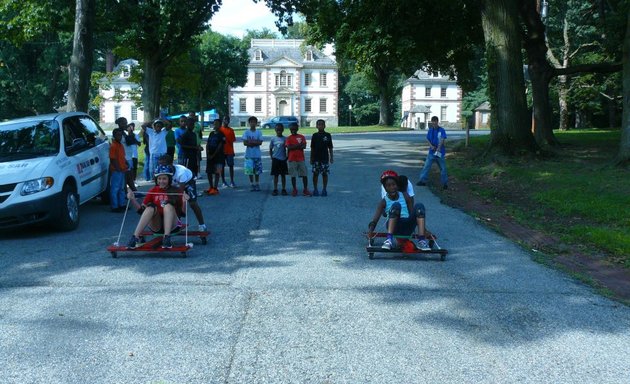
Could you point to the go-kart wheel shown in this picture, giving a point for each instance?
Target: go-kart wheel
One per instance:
(371, 255)
(204, 240)
(184, 254)
(114, 254)
(442, 257)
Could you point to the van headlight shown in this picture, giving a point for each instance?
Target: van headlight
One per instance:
(37, 185)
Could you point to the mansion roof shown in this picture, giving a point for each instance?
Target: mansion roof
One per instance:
(293, 51)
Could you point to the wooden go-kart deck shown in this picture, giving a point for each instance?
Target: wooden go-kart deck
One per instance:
(154, 243)
(405, 245)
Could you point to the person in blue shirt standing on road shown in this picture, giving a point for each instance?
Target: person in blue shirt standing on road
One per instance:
(436, 137)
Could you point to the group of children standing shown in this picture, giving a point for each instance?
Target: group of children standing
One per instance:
(287, 158)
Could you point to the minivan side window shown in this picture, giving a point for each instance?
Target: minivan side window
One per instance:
(75, 136)
(94, 134)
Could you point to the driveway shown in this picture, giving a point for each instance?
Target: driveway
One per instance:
(284, 293)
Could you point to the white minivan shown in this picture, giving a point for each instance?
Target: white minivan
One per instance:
(49, 165)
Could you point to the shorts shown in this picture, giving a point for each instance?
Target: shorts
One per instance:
(320, 168)
(279, 167)
(213, 167)
(253, 166)
(191, 189)
(405, 226)
(229, 161)
(297, 168)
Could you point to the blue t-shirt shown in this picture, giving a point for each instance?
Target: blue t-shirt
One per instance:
(278, 150)
(179, 131)
(404, 211)
(253, 152)
(434, 135)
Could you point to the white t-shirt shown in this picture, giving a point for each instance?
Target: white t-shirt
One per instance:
(131, 151)
(182, 174)
(157, 141)
(253, 152)
(409, 190)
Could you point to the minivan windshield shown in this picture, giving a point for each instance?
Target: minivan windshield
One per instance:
(28, 140)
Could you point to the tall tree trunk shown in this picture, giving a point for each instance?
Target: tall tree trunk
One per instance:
(152, 87)
(382, 79)
(110, 61)
(511, 132)
(540, 73)
(563, 104)
(80, 68)
(623, 157)
(563, 81)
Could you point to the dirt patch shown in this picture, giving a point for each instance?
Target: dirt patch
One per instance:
(610, 279)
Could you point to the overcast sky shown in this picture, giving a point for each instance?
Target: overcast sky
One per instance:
(237, 16)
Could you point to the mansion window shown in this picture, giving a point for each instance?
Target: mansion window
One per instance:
(307, 79)
(258, 105)
(427, 92)
(242, 105)
(116, 111)
(258, 55)
(283, 79)
(443, 113)
(126, 72)
(443, 92)
(258, 79)
(134, 112)
(322, 80)
(322, 105)
(309, 55)
(307, 105)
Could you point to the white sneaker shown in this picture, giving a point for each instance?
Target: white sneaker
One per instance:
(202, 228)
(423, 245)
(388, 244)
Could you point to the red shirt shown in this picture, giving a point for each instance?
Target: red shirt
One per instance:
(295, 154)
(230, 138)
(117, 154)
(159, 196)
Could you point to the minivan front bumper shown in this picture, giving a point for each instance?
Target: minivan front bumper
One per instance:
(30, 212)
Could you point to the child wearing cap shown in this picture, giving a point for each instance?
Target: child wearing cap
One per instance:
(160, 208)
(157, 143)
(400, 220)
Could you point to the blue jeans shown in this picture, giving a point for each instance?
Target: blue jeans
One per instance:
(117, 190)
(441, 162)
(147, 166)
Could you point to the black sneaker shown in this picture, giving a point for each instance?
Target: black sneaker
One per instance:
(421, 183)
(166, 242)
(133, 242)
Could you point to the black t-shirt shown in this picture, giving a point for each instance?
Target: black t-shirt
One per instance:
(215, 140)
(320, 142)
(189, 139)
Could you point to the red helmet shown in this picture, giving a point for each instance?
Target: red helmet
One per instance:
(388, 173)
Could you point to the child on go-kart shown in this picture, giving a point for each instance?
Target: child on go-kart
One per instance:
(401, 221)
(160, 208)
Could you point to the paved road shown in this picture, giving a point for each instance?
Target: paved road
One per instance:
(284, 293)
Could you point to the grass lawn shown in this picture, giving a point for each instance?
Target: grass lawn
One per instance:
(576, 196)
